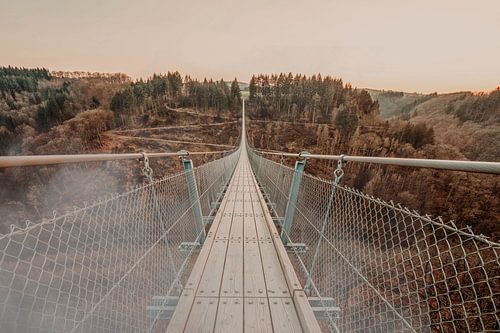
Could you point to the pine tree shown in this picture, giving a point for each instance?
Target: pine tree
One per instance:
(252, 88)
(235, 94)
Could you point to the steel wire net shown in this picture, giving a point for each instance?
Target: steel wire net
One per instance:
(102, 268)
(379, 267)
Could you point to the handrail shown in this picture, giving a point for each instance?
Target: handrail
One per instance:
(455, 165)
(34, 160)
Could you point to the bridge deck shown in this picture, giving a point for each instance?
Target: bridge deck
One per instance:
(243, 279)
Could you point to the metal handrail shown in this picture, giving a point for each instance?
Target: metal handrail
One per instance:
(467, 166)
(34, 160)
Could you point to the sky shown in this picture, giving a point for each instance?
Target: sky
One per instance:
(422, 46)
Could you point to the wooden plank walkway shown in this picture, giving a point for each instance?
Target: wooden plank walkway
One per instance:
(243, 280)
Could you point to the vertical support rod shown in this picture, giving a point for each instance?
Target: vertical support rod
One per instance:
(194, 198)
(292, 200)
(279, 182)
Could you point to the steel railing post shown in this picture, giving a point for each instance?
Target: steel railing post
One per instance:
(194, 198)
(292, 199)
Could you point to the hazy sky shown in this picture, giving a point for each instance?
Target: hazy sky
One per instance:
(420, 45)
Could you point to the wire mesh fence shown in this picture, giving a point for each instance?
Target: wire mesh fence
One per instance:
(98, 268)
(379, 267)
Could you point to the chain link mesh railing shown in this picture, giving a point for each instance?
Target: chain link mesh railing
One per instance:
(379, 267)
(97, 268)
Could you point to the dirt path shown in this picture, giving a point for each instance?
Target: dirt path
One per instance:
(171, 127)
(195, 113)
(168, 141)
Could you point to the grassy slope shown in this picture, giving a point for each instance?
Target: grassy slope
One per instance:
(448, 129)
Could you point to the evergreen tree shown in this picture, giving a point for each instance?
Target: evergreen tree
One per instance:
(253, 89)
(235, 95)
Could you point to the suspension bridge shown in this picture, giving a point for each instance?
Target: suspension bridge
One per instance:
(246, 244)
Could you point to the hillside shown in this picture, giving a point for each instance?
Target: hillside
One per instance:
(397, 103)
(63, 113)
(75, 112)
(327, 117)
(470, 122)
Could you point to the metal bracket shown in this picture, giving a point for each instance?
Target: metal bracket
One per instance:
(278, 220)
(208, 219)
(163, 307)
(296, 247)
(324, 308)
(189, 246)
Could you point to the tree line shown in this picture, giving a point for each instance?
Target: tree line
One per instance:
(172, 90)
(17, 79)
(314, 99)
(285, 95)
(483, 107)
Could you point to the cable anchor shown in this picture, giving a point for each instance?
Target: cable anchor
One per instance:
(338, 173)
(146, 169)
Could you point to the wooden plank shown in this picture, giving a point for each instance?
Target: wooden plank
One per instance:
(232, 279)
(255, 285)
(284, 316)
(304, 311)
(260, 223)
(229, 315)
(257, 315)
(249, 222)
(226, 219)
(210, 281)
(202, 316)
(200, 263)
(301, 304)
(287, 267)
(238, 202)
(249, 228)
(275, 279)
(237, 225)
(228, 196)
(181, 314)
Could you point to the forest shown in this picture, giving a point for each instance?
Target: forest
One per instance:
(325, 116)
(176, 92)
(14, 80)
(76, 112)
(63, 113)
(300, 98)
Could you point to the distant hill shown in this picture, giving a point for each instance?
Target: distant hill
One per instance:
(464, 105)
(466, 120)
(244, 86)
(397, 103)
